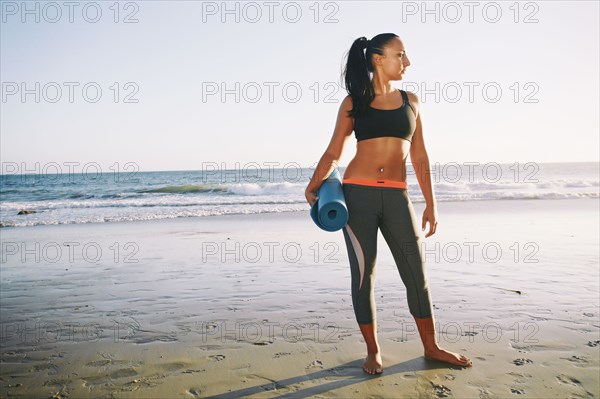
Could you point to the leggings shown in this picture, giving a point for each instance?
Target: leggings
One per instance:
(383, 204)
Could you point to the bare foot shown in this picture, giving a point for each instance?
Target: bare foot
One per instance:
(373, 364)
(448, 357)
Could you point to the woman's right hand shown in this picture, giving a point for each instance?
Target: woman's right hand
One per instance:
(311, 197)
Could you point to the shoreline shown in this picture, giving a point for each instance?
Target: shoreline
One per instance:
(452, 206)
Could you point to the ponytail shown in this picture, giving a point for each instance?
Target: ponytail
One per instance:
(358, 68)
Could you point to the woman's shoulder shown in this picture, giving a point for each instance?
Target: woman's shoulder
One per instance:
(346, 103)
(414, 102)
(412, 97)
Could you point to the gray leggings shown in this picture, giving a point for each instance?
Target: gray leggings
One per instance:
(389, 209)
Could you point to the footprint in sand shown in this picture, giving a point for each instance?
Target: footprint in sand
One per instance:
(593, 343)
(18, 384)
(96, 382)
(173, 367)
(210, 347)
(281, 354)
(192, 371)
(14, 354)
(520, 377)
(340, 370)
(216, 358)
(194, 392)
(521, 361)
(315, 364)
(567, 379)
(98, 363)
(59, 383)
(122, 373)
(576, 359)
(144, 382)
(50, 369)
(242, 367)
(440, 391)
(517, 391)
(485, 393)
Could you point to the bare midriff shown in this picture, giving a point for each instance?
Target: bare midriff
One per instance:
(379, 162)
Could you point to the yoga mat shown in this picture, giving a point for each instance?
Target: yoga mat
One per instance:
(329, 212)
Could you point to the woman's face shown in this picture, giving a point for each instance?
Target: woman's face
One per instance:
(394, 61)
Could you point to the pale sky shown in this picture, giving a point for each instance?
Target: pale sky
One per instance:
(176, 52)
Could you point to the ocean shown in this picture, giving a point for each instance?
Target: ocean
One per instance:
(70, 198)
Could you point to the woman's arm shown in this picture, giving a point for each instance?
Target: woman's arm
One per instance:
(343, 129)
(420, 163)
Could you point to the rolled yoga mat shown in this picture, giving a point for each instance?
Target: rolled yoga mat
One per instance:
(329, 212)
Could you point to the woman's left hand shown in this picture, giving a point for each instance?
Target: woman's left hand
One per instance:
(430, 215)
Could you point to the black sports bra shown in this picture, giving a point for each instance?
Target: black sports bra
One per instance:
(375, 122)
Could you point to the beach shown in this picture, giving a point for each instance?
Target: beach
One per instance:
(259, 306)
(156, 159)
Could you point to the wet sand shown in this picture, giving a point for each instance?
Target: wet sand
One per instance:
(259, 306)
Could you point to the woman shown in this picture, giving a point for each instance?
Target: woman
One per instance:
(387, 126)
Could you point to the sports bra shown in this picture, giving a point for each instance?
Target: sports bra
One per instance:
(374, 122)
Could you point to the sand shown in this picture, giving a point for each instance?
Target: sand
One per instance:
(259, 306)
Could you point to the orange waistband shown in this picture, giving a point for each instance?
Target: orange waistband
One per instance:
(376, 183)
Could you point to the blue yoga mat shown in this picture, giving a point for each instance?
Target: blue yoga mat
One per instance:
(329, 212)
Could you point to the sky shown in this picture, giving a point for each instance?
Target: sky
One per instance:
(180, 85)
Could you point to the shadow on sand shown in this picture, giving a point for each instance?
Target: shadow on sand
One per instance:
(345, 374)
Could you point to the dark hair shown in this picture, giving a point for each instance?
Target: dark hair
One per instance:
(358, 66)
